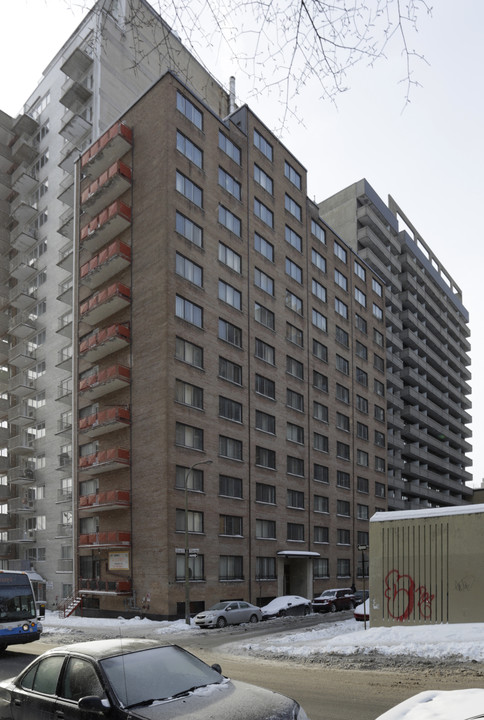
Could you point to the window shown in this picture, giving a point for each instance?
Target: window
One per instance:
(362, 512)
(342, 393)
(321, 473)
(379, 387)
(295, 400)
(343, 479)
(188, 270)
(264, 247)
(362, 431)
(189, 229)
(263, 179)
(295, 531)
(231, 567)
(292, 175)
(380, 490)
(379, 413)
(320, 412)
(321, 567)
(380, 464)
(295, 499)
(341, 280)
(229, 148)
(188, 394)
(341, 307)
(293, 238)
(295, 466)
(363, 538)
(265, 458)
(319, 320)
(320, 442)
(294, 271)
(342, 422)
(378, 337)
(342, 365)
(263, 281)
(229, 409)
(189, 189)
(359, 270)
(265, 494)
(188, 311)
(318, 290)
(230, 448)
(189, 149)
(318, 260)
(295, 433)
(230, 295)
(265, 422)
(230, 486)
(265, 529)
(230, 333)
(361, 377)
(229, 257)
(195, 568)
(360, 297)
(265, 352)
(340, 252)
(320, 351)
(188, 109)
(321, 504)
(230, 525)
(362, 458)
(377, 287)
(318, 231)
(265, 568)
(361, 350)
(264, 316)
(263, 213)
(266, 387)
(379, 438)
(229, 220)
(362, 485)
(294, 367)
(293, 207)
(320, 381)
(294, 303)
(194, 521)
(360, 323)
(263, 145)
(343, 567)
(188, 436)
(342, 451)
(342, 337)
(229, 183)
(343, 508)
(321, 534)
(230, 371)
(362, 404)
(294, 335)
(378, 362)
(377, 311)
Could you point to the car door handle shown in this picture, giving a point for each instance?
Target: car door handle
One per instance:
(17, 702)
(59, 714)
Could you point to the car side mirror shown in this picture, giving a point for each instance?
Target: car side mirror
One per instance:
(217, 668)
(92, 703)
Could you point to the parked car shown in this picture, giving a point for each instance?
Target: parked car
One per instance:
(232, 612)
(334, 600)
(286, 605)
(362, 611)
(134, 678)
(361, 596)
(439, 705)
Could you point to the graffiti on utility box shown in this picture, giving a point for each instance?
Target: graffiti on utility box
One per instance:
(404, 597)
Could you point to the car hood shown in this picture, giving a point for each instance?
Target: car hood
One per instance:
(233, 699)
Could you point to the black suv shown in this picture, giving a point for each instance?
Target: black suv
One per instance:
(334, 600)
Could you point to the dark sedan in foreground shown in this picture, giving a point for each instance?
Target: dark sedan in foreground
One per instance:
(135, 678)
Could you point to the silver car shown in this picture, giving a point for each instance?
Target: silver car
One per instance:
(232, 612)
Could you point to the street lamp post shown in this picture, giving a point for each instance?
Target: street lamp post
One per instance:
(187, 548)
(362, 548)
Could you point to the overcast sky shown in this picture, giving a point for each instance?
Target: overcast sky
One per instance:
(429, 156)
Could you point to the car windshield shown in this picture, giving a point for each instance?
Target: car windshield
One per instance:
(328, 594)
(156, 674)
(219, 606)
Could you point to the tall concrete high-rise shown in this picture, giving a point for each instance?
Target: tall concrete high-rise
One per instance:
(427, 355)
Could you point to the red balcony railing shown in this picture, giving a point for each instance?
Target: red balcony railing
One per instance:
(112, 415)
(117, 290)
(107, 256)
(101, 337)
(109, 498)
(114, 374)
(112, 538)
(118, 131)
(105, 226)
(105, 586)
(105, 460)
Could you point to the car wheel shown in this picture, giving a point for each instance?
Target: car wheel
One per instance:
(282, 613)
(3, 647)
(332, 607)
(253, 619)
(306, 611)
(221, 622)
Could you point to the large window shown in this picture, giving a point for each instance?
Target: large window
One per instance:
(321, 534)
(294, 271)
(229, 409)
(192, 478)
(195, 568)
(321, 473)
(188, 352)
(264, 457)
(319, 320)
(188, 270)
(230, 486)
(265, 568)
(190, 230)
(320, 381)
(292, 175)
(188, 394)
(263, 179)
(264, 146)
(193, 518)
(189, 189)
(263, 281)
(320, 442)
(265, 352)
(229, 148)
(230, 525)
(293, 207)
(189, 149)
(231, 567)
(295, 531)
(229, 257)
(229, 220)
(265, 422)
(189, 436)
(294, 335)
(185, 106)
(295, 400)
(295, 499)
(229, 183)
(230, 333)
(295, 466)
(295, 433)
(265, 529)
(294, 367)
(264, 316)
(264, 247)
(188, 311)
(230, 371)
(293, 238)
(294, 303)
(263, 213)
(318, 290)
(230, 448)
(265, 493)
(230, 295)
(321, 504)
(265, 386)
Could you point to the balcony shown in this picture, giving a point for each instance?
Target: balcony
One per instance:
(22, 444)
(75, 95)
(65, 326)
(64, 358)
(66, 258)
(22, 240)
(23, 474)
(66, 227)
(21, 415)
(23, 151)
(25, 125)
(104, 342)
(104, 382)
(21, 506)
(77, 64)
(65, 565)
(23, 213)
(109, 500)
(64, 530)
(75, 127)
(104, 587)
(23, 182)
(22, 295)
(105, 303)
(65, 461)
(105, 226)
(64, 494)
(22, 355)
(22, 266)
(103, 191)
(64, 426)
(105, 421)
(65, 292)
(64, 391)
(21, 536)
(6, 551)
(105, 539)
(111, 146)
(21, 385)
(66, 194)
(22, 325)
(104, 461)
(109, 262)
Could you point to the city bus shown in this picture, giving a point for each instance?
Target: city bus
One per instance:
(20, 614)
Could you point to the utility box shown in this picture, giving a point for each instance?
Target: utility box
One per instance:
(427, 566)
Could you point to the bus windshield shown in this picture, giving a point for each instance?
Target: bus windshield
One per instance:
(16, 603)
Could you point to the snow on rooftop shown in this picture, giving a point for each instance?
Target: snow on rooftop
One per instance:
(427, 512)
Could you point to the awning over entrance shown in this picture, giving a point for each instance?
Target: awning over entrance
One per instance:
(298, 553)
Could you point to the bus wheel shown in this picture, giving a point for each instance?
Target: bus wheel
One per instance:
(3, 647)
